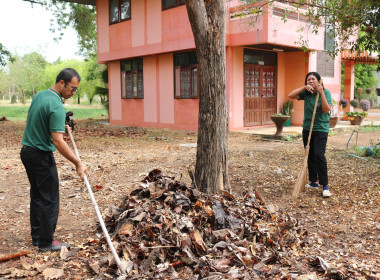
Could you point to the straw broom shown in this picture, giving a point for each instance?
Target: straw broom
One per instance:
(302, 175)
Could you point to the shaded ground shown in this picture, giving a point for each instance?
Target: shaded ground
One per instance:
(344, 229)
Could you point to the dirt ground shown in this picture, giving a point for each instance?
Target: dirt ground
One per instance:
(344, 229)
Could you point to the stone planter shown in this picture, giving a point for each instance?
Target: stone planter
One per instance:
(333, 121)
(279, 121)
(356, 120)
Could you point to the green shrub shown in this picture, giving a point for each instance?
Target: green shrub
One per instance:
(354, 103)
(14, 99)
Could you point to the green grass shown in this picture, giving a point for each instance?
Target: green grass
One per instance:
(369, 128)
(20, 112)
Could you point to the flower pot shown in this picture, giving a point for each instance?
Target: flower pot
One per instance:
(368, 90)
(279, 121)
(288, 122)
(333, 121)
(356, 120)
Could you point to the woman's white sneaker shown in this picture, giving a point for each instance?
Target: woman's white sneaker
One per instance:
(326, 191)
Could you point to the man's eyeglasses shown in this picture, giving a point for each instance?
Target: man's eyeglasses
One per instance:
(73, 89)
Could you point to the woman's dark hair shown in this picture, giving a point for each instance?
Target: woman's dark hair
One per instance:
(315, 74)
(67, 75)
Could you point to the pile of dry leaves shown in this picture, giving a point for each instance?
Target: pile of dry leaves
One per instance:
(166, 230)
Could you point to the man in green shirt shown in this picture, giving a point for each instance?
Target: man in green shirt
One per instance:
(317, 163)
(44, 130)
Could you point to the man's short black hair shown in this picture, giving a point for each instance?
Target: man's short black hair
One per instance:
(67, 75)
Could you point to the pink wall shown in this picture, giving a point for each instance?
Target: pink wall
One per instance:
(158, 108)
(295, 73)
(115, 91)
(148, 32)
(166, 88)
(150, 89)
(237, 89)
(103, 27)
(282, 95)
(154, 30)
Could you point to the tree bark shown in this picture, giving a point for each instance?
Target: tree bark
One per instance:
(207, 19)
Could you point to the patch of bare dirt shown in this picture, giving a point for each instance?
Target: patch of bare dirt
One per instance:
(344, 230)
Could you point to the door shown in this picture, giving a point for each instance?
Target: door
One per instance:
(259, 94)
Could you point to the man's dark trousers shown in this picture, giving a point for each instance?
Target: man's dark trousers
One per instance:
(317, 163)
(44, 193)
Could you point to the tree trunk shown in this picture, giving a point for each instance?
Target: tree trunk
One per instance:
(78, 99)
(207, 19)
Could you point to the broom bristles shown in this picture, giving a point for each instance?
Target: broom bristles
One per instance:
(301, 179)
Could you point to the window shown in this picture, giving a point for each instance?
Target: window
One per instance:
(168, 4)
(186, 75)
(325, 64)
(329, 44)
(120, 10)
(132, 83)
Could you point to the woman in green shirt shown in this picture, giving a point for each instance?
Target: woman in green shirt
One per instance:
(317, 164)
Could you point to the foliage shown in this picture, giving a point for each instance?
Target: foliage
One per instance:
(364, 104)
(82, 18)
(287, 108)
(26, 74)
(354, 103)
(4, 54)
(368, 151)
(345, 20)
(334, 109)
(355, 113)
(365, 78)
(14, 99)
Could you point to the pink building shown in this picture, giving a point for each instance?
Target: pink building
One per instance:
(149, 48)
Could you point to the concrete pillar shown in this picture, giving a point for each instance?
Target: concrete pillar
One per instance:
(349, 79)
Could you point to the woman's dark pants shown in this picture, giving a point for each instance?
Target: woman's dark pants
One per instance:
(44, 194)
(317, 163)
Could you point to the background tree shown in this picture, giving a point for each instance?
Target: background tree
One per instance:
(26, 73)
(82, 18)
(365, 78)
(207, 19)
(4, 55)
(346, 19)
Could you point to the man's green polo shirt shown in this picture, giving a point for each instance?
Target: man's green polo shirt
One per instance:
(322, 120)
(46, 114)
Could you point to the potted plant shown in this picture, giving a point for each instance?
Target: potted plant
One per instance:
(279, 120)
(287, 109)
(343, 103)
(355, 117)
(368, 90)
(365, 105)
(333, 114)
(354, 103)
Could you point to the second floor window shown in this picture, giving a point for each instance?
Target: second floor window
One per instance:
(186, 75)
(120, 10)
(167, 4)
(132, 83)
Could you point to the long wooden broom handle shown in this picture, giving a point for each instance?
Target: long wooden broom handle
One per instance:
(312, 120)
(99, 215)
